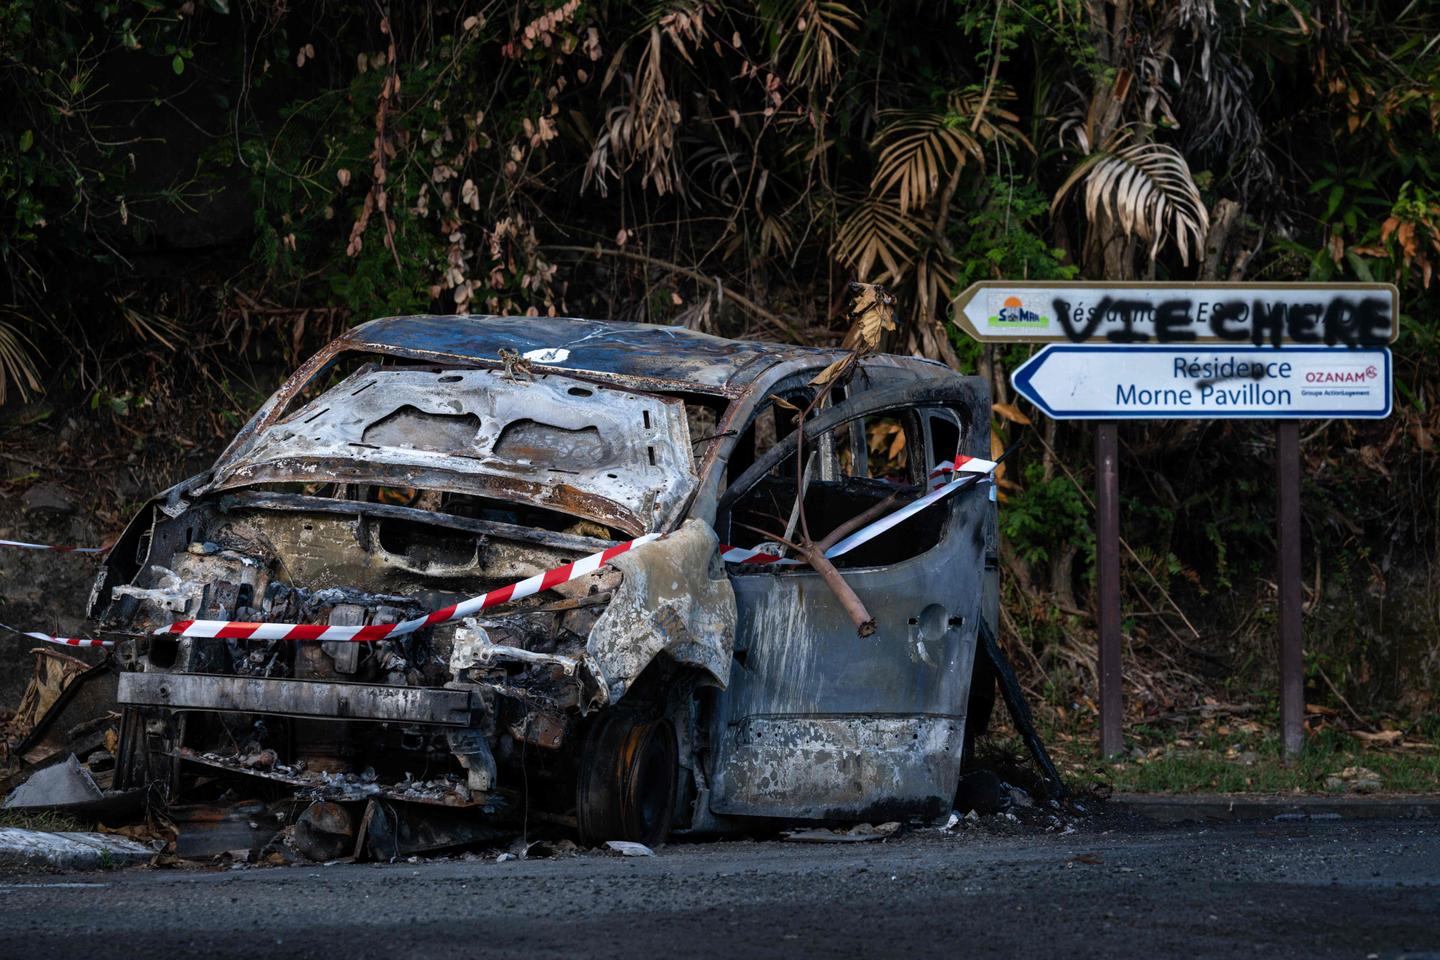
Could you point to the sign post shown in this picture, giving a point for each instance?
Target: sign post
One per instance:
(1107, 587)
(1129, 351)
(1287, 541)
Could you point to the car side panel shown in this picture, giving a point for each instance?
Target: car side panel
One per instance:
(820, 723)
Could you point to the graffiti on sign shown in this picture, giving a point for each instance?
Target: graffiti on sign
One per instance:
(1343, 315)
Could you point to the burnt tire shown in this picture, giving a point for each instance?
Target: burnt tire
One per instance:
(625, 789)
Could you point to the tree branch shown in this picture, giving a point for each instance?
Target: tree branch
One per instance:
(755, 308)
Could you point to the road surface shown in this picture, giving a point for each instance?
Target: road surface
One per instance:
(1336, 889)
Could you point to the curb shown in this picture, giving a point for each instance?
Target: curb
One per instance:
(1221, 808)
(68, 851)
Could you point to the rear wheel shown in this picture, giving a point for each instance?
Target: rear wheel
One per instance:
(625, 789)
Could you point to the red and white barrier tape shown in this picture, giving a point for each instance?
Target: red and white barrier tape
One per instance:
(45, 546)
(972, 467)
(964, 464)
(974, 470)
(63, 641)
(230, 629)
(48, 637)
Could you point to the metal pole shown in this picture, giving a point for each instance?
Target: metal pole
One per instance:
(1287, 537)
(1107, 587)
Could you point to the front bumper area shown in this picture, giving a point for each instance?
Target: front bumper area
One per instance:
(329, 699)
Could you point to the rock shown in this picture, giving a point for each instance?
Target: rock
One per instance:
(49, 497)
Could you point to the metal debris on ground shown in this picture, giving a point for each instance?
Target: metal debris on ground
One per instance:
(859, 833)
(627, 848)
(58, 785)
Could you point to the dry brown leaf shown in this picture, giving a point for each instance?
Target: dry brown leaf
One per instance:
(1010, 412)
(780, 401)
(1385, 737)
(897, 446)
(832, 371)
(872, 314)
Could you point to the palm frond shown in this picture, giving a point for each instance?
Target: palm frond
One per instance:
(17, 363)
(920, 149)
(151, 328)
(1147, 190)
(814, 34)
(876, 231)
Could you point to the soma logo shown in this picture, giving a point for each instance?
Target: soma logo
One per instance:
(1013, 313)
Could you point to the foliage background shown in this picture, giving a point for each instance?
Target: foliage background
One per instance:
(194, 195)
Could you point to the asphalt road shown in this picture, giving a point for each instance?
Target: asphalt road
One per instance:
(1338, 889)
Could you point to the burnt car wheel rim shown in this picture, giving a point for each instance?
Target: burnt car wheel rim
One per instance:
(626, 785)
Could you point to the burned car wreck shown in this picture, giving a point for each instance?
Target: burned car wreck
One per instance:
(420, 461)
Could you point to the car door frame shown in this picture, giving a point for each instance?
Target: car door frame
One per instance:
(856, 761)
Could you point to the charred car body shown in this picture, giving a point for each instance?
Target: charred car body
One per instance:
(421, 460)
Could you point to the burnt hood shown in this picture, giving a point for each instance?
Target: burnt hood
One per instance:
(617, 457)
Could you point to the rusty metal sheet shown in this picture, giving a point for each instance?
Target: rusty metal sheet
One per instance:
(391, 829)
(840, 768)
(673, 598)
(297, 698)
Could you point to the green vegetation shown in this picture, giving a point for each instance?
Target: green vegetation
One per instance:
(47, 820)
(1331, 764)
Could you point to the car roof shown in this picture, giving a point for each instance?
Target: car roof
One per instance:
(642, 353)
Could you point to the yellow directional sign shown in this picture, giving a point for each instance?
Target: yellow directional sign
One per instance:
(1258, 314)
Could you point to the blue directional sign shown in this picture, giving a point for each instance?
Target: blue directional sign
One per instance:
(1077, 382)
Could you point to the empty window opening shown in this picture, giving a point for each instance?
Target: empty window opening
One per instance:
(872, 456)
(944, 438)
